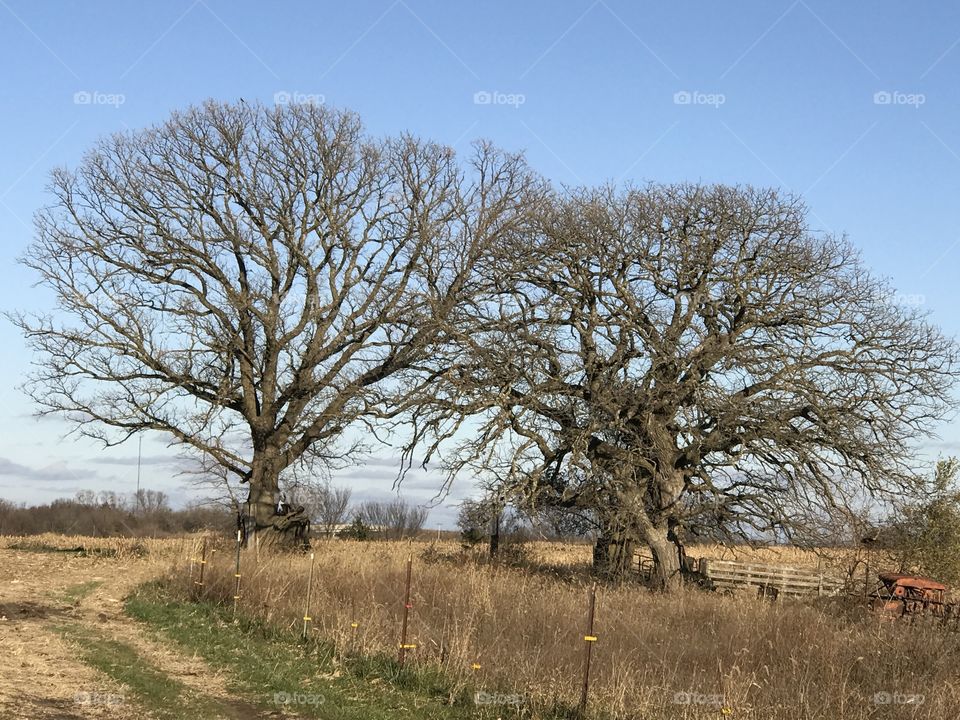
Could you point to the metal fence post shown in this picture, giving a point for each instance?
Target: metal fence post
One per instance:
(203, 565)
(236, 574)
(406, 612)
(306, 609)
(589, 640)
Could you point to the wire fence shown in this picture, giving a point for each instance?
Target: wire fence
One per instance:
(207, 584)
(517, 638)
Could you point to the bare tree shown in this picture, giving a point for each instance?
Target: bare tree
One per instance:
(474, 519)
(489, 517)
(250, 281)
(690, 354)
(325, 504)
(332, 510)
(114, 500)
(150, 501)
(394, 520)
(86, 497)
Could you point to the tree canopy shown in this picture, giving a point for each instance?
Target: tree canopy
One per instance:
(250, 281)
(256, 282)
(675, 355)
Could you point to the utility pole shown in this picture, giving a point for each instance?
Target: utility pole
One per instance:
(139, 459)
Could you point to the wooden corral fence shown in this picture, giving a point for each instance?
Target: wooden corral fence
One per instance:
(769, 580)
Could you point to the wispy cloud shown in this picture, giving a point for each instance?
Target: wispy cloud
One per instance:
(369, 473)
(131, 460)
(49, 473)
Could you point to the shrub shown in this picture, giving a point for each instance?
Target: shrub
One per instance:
(929, 530)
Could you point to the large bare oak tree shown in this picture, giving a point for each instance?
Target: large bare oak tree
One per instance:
(251, 281)
(683, 355)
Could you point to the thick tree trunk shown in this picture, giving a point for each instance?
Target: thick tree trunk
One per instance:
(666, 559)
(613, 553)
(261, 505)
(268, 525)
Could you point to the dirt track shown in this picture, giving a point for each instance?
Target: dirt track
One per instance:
(41, 675)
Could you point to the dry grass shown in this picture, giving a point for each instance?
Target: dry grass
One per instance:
(137, 558)
(731, 656)
(117, 547)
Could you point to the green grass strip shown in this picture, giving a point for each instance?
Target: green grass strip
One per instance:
(274, 668)
(75, 593)
(163, 696)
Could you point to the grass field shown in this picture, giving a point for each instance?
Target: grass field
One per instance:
(118, 629)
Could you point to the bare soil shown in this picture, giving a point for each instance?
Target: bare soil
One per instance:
(41, 675)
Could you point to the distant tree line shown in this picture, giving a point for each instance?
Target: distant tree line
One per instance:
(107, 514)
(148, 513)
(331, 514)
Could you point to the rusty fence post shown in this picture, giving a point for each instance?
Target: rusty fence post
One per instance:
(404, 646)
(236, 575)
(589, 639)
(306, 607)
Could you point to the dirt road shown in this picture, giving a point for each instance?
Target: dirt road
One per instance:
(49, 598)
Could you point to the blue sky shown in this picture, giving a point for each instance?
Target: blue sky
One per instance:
(852, 105)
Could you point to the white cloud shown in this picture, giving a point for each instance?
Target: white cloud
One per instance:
(58, 471)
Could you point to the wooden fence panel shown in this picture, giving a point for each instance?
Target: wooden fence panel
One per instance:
(787, 580)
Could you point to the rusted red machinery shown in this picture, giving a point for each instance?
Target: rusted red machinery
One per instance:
(898, 594)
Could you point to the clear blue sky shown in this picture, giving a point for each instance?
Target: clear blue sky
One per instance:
(853, 105)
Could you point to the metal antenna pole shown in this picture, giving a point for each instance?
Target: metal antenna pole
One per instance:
(139, 459)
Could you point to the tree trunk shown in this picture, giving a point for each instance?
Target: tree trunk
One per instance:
(666, 559)
(613, 553)
(288, 528)
(495, 535)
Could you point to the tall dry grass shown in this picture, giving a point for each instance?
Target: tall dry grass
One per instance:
(137, 559)
(164, 548)
(690, 655)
